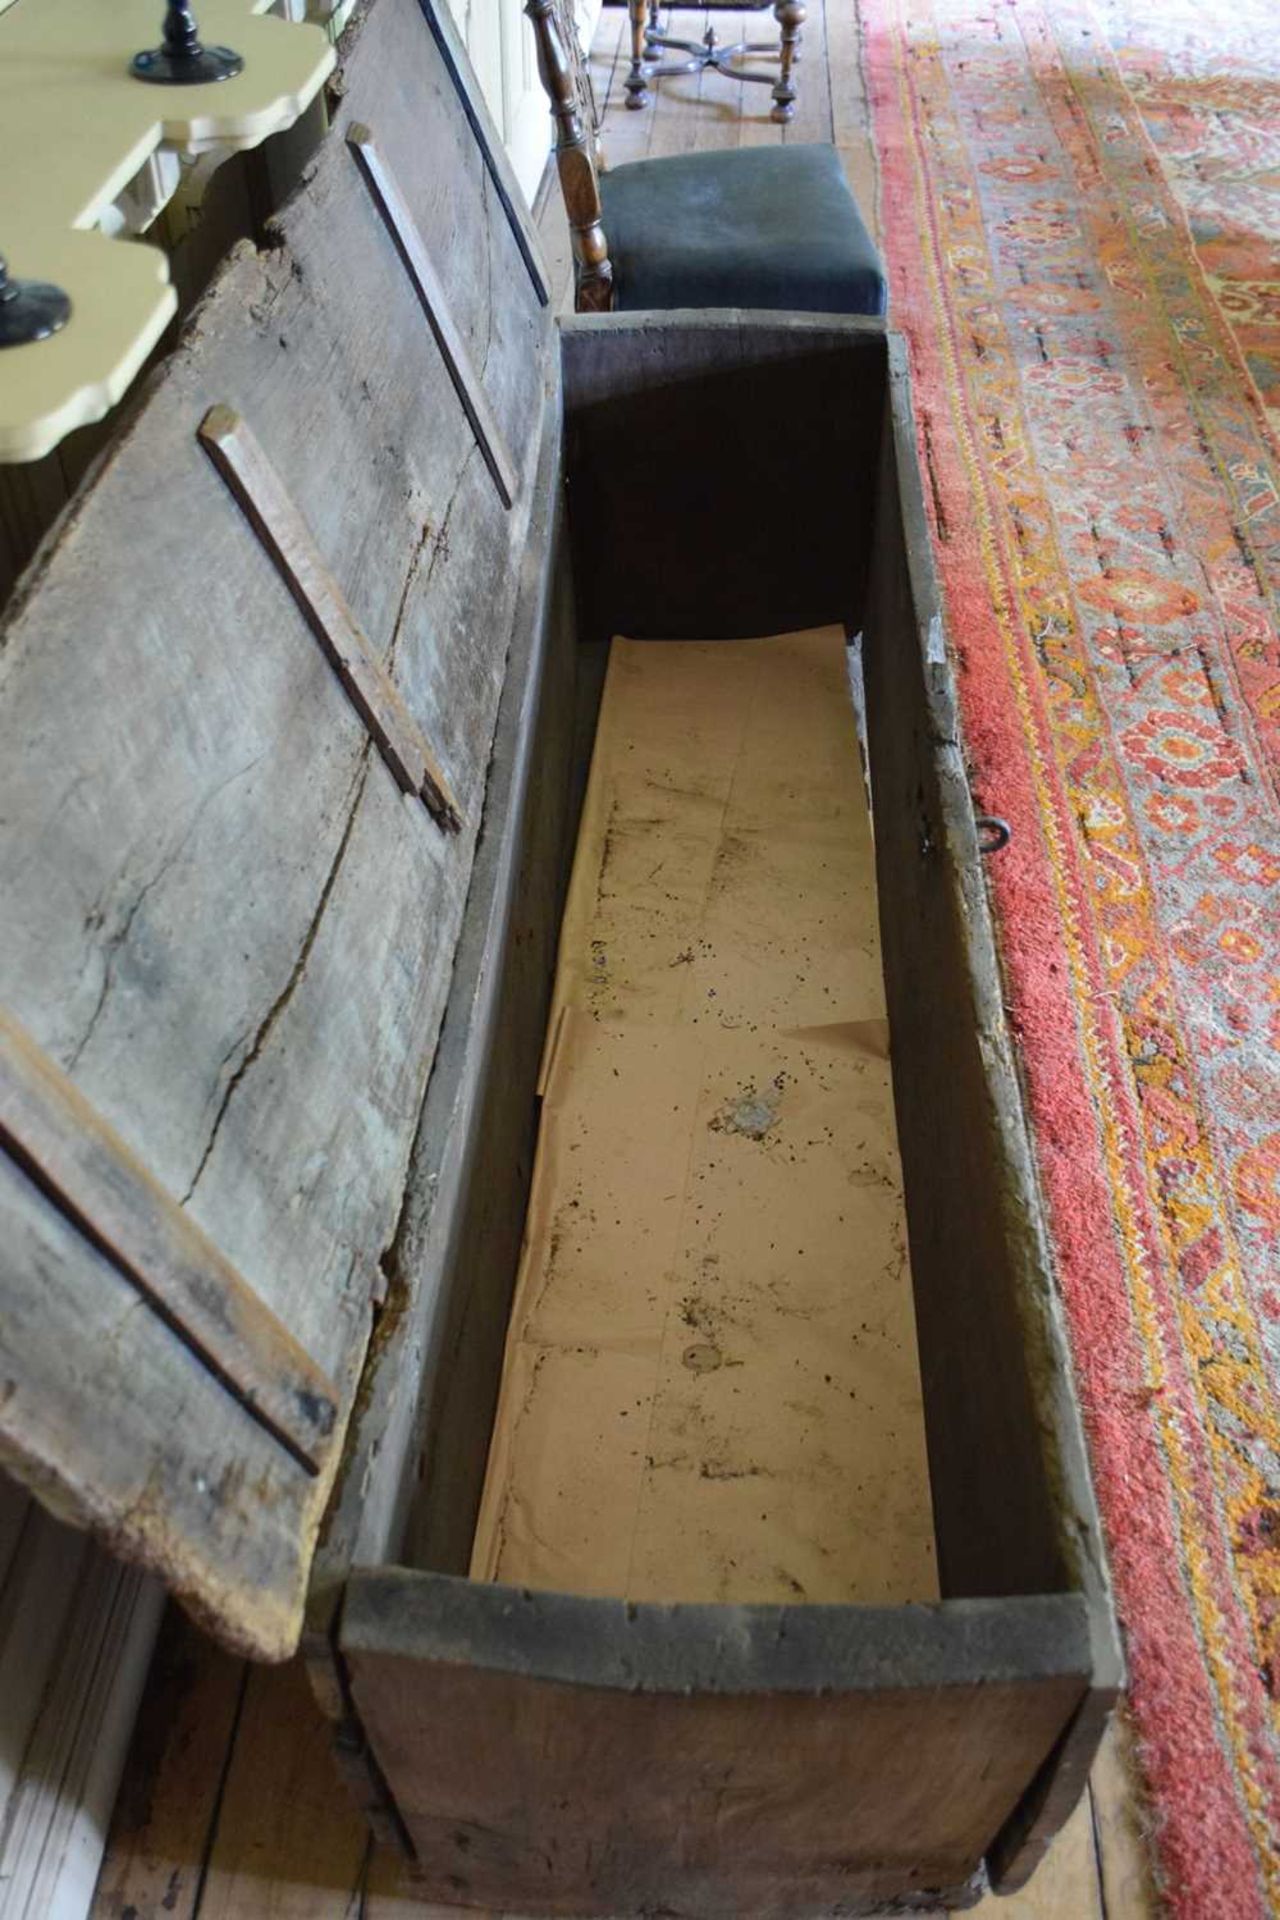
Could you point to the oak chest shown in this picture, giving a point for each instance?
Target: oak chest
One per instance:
(297, 707)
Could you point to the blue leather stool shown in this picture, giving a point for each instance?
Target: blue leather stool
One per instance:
(764, 227)
(748, 227)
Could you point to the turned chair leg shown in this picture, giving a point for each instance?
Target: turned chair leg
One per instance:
(638, 78)
(790, 16)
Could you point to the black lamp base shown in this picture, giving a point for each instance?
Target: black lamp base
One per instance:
(30, 310)
(186, 69)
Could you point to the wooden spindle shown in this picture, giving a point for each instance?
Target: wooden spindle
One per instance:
(638, 95)
(790, 16)
(575, 162)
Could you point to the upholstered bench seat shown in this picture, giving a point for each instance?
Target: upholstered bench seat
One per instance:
(773, 227)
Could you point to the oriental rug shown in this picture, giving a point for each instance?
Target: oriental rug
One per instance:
(1081, 211)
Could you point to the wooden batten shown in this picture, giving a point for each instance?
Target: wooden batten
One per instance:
(50, 1131)
(274, 518)
(403, 229)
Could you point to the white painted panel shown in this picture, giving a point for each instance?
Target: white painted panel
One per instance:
(76, 1633)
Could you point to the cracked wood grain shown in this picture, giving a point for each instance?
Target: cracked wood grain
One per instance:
(217, 905)
(55, 1136)
(118, 938)
(254, 1050)
(235, 451)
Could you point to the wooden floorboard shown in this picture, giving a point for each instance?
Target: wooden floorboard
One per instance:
(232, 1804)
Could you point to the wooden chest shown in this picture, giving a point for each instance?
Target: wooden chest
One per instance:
(297, 707)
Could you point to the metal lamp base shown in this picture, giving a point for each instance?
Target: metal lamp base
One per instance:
(194, 69)
(30, 310)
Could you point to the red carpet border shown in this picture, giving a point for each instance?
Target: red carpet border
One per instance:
(1082, 217)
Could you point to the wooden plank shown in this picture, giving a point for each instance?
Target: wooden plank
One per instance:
(289, 1840)
(1066, 1884)
(390, 202)
(702, 1760)
(672, 118)
(54, 1134)
(202, 1798)
(759, 128)
(554, 231)
(422, 1429)
(851, 117)
(1123, 1825)
(977, 1234)
(811, 77)
(608, 58)
(231, 1531)
(626, 134)
(232, 1807)
(1018, 1850)
(723, 100)
(278, 524)
(166, 1814)
(986, 1309)
(221, 916)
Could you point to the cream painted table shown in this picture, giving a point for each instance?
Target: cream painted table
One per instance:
(76, 133)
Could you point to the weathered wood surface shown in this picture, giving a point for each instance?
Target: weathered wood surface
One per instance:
(53, 1134)
(421, 1431)
(255, 484)
(606, 1758)
(223, 919)
(418, 263)
(232, 1807)
(986, 1527)
(793, 361)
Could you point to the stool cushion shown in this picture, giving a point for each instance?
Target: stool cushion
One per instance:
(747, 227)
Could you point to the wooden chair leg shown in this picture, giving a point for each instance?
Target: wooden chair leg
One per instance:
(638, 79)
(575, 162)
(790, 15)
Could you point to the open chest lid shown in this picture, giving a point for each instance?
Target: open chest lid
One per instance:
(247, 701)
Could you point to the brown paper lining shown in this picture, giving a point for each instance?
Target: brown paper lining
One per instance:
(711, 1389)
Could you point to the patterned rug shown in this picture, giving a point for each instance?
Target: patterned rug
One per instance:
(1082, 214)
